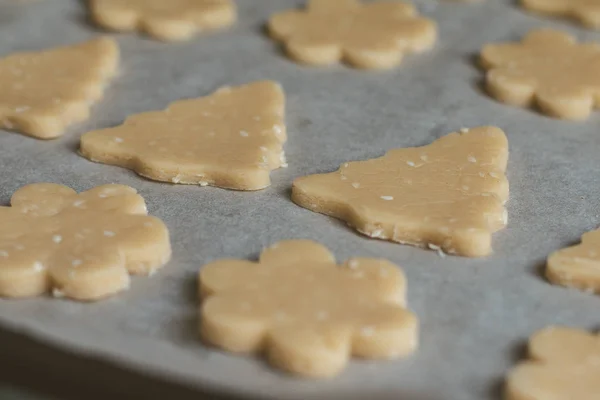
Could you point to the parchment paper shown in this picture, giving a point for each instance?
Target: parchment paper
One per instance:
(476, 314)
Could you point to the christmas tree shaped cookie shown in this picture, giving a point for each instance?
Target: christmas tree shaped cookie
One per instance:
(305, 312)
(82, 246)
(44, 92)
(231, 139)
(448, 195)
(165, 20)
(563, 365)
(577, 266)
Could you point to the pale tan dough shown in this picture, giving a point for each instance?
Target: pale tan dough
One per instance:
(164, 19)
(307, 314)
(577, 266)
(564, 365)
(370, 35)
(585, 11)
(548, 69)
(44, 92)
(81, 246)
(448, 195)
(231, 139)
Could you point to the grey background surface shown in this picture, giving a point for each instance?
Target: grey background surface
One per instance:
(476, 314)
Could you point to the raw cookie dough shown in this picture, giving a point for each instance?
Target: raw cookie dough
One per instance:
(577, 266)
(585, 11)
(448, 195)
(231, 139)
(563, 365)
(372, 35)
(44, 92)
(82, 246)
(547, 69)
(306, 313)
(165, 20)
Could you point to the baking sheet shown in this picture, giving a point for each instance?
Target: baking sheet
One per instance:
(475, 313)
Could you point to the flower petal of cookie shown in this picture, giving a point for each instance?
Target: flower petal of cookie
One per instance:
(389, 333)
(389, 281)
(314, 49)
(569, 103)
(392, 21)
(217, 276)
(295, 251)
(165, 28)
(233, 324)
(47, 198)
(117, 15)
(383, 47)
(498, 55)
(511, 87)
(88, 273)
(21, 272)
(318, 351)
(283, 25)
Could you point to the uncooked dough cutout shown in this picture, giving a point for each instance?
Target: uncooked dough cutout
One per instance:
(306, 313)
(448, 195)
(577, 266)
(231, 139)
(81, 246)
(164, 20)
(370, 35)
(548, 69)
(563, 365)
(43, 92)
(586, 12)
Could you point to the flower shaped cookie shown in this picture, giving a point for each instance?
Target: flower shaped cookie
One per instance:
(372, 35)
(82, 246)
(231, 139)
(448, 195)
(585, 11)
(165, 20)
(548, 69)
(43, 92)
(577, 266)
(564, 366)
(306, 313)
